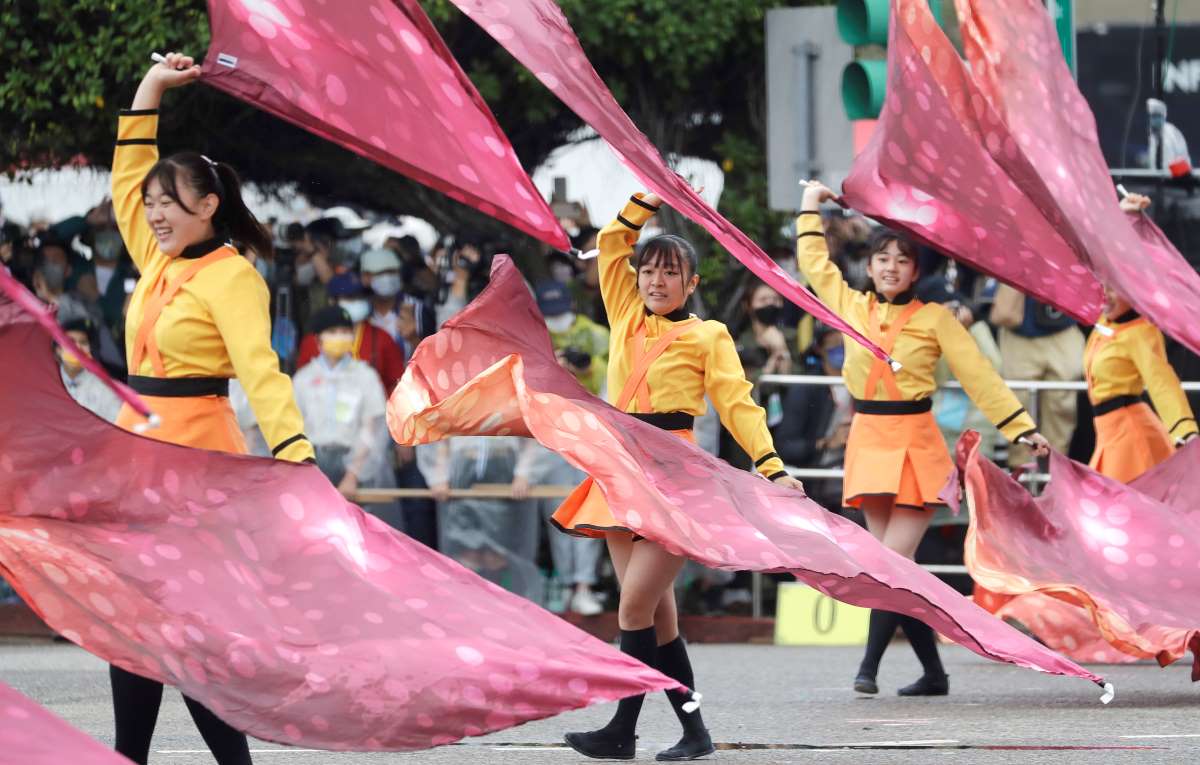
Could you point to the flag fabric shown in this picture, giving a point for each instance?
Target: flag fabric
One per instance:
(254, 587)
(376, 78)
(1091, 559)
(491, 371)
(32, 735)
(1015, 57)
(944, 166)
(538, 35)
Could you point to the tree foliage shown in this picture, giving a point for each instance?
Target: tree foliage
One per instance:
(689, 73)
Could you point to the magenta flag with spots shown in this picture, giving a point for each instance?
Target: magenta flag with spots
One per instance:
(1016, 59)
(375, 77)
(1097, 567)
(944, 166)
(491, 370)
(254, 587)
(538, 35)
(33, 735)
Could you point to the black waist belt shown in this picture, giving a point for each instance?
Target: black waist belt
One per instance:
(1113, 404)
(667, 420)
(179, 387)
(920, 406)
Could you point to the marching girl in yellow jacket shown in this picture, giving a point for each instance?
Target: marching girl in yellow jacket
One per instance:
(1125, 357)
(662, 363)
(896, 462)
(198, 317)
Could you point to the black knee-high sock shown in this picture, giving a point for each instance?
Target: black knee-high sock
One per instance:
(880, 630)
(136, 700)
(228, 746)
(641, 645)
(924, 644)
(672, 660)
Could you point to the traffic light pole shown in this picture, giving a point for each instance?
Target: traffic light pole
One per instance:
(1158, 70)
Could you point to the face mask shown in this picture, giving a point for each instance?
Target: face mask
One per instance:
(71, 361)
(353, 248)
(560, 323)
(768, 314)
(836, 357)
(305, 273)
(108, 245)
(386, 285)
(336, 347)
(358, 309)
(562, 273)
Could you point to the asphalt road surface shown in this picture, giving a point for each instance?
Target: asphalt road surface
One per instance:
(764, 704)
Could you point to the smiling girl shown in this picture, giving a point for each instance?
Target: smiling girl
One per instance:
(896, 462)
(198, 317)
(662, 361)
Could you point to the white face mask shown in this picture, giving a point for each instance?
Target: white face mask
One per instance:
(560, 323)
(305, 273)
(386, 285)
(358, 309)
(562, 273)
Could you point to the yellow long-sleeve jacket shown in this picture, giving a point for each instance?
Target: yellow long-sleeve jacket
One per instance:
(219, 324)
(931, 333)
(1131, 360)
(702, 361)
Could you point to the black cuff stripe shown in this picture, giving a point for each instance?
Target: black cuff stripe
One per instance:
(643, 205)
(137, 112)
(1176, 425)
(621, 219)
(803, 234)
(298, 437)
(809, 212)
(137, 142)
(759, 462)
(1010, 418)
(780, 474)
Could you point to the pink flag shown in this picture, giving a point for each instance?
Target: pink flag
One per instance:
(376, 78)
(1016, 60)
(1101, 559)
(254, 587)
(32, 735)
(537, 33)
(491, 370)
(944, 166)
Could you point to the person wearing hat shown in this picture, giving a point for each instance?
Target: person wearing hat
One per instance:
(343, 404)
(371, 344)
(1175, 156)
(404, 316)
(85, 387)
(581, 346)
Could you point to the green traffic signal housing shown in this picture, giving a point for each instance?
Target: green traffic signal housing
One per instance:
(864, 80)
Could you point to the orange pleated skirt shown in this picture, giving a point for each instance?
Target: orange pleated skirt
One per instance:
(585, 512)
(901, 456)
(203, 422)
(1129, 441)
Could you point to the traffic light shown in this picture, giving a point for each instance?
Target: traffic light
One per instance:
(864, 23)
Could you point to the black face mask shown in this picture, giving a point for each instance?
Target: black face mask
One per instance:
(768, 314)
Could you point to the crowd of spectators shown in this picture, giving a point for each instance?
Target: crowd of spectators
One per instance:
(352, 301)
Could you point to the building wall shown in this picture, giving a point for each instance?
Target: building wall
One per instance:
(1133, 11)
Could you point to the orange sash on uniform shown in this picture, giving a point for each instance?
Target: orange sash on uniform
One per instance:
(585, 511)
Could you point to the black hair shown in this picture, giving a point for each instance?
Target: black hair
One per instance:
(881, 237)
(669, 250)
(203, 176)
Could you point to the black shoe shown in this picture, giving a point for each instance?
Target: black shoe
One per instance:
(603, 745)
(928, 685)
(865, 684)
(690, 747)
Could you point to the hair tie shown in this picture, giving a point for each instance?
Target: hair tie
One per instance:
(211, 164)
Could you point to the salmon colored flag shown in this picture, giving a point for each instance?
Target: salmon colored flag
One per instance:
(1016, 60)
(254, 587)
(538, 35)
(1098, 569)
(32, 735)
(376, 78)
(491, 371)
(944, 166)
